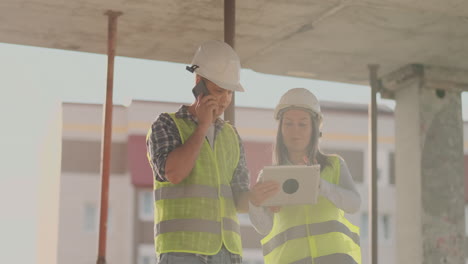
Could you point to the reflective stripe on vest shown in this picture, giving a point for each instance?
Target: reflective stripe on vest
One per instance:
(196, 225)
(303, 261)
(192, 191)
(301, 231)
(337, 258)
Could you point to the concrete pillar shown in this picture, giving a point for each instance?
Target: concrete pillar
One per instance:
(430, 224)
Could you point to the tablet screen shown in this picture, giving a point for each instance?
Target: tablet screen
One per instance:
(298, 184)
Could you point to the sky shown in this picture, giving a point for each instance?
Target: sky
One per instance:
(68, 76)
(81, 77)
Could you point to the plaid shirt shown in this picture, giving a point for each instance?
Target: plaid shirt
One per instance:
(165, 137)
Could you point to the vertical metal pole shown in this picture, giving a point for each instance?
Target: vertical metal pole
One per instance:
(229, 38)
(373, 209)
(107, 136)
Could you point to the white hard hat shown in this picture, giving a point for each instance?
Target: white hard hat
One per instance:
(219, 63)
(298, 98)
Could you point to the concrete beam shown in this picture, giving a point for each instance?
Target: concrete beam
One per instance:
(434, 77)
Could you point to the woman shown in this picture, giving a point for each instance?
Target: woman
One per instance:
(316, 233)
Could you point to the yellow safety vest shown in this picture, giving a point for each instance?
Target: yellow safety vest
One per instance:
(198, 215)
(313, 234)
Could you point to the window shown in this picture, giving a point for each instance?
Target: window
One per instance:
(364, 225)
(91, 218)
(384, 230)
(252, 261)
(391, 166)
(383, 177)
(146, 254)
(146, 260)
(466, 219)
(252, 256)
(353, 158)
(244, 219)
(379, 174)
(145, 205)
(384, 226)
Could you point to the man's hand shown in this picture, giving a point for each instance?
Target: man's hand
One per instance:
(204, 109)
(180, 161)
(262, 191)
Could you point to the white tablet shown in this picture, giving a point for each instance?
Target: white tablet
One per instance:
(299, 184)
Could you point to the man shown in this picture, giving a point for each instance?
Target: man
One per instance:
(201, 179)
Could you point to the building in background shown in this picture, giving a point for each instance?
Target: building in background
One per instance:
(130, 227)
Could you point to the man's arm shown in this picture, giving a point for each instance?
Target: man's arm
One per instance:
(163, 141)
(170, 159)
(181, 160)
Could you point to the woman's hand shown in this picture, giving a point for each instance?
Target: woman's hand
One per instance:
(262, 191)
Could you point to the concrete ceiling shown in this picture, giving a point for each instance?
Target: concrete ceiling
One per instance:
(329, 40)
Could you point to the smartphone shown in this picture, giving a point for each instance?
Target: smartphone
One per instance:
(200, 88)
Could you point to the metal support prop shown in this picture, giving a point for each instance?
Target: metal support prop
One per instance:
(373, 209)
(107, 136)
(229, 38)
